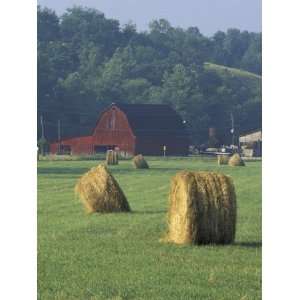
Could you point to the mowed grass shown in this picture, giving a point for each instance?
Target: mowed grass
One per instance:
(119, 256)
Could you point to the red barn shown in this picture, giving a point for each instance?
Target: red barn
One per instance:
(132, 128)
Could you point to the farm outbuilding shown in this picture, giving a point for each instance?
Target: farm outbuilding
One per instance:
(250, 137)
(131, 129)
(251, 143)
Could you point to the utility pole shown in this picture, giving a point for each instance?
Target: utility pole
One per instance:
(42, 125)
(232, 127)
(42, 144)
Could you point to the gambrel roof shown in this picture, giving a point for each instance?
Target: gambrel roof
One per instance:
(153, 119)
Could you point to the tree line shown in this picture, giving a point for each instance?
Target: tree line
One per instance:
(86, 60)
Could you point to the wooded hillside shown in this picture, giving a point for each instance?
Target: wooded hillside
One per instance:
(86, 61)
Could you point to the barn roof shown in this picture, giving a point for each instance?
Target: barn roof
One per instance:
(251, 136)
(144, 120)
(250, 132)
(153, 119)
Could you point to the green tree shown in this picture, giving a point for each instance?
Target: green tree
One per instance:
(114, 72)
(252, 59)
(47, 25)
(136, 90)
(80, 26)
(177, 88)
(86, 59)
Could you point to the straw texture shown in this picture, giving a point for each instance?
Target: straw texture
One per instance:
(99, 192)
(112, 157)
(139, 162)
(202, 209)
(223, 159)
(236, 161)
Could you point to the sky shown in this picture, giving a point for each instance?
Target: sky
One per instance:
(208, 15)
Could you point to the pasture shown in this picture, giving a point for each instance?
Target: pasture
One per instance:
(119, 256)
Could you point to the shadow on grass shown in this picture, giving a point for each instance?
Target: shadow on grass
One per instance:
(114, 169)
(62, 171)
(78, 171)
(148, 212)
(248, 244)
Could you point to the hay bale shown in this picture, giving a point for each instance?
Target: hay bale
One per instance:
(235, 160)
(139, 162)
(112, 157)
(202, 209)
(109, 157)
(223, 159)
(115, 157)
(100, 192)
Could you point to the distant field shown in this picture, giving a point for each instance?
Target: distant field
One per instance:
(242, 77)
(233, 71)
(119, 256)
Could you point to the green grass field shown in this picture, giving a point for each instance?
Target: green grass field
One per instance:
(119, 256)
(222, 70)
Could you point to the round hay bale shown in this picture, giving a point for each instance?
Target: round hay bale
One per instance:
(223, 159)
(202, 209)
(115, 157)
(100, 192)
(139, 162)
(112, 157)
(235, 160)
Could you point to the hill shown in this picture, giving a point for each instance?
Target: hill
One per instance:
(224, 70)
(86, 61)
(252, 80)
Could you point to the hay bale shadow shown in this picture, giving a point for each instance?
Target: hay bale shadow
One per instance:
(253, 244)
(148, 212)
